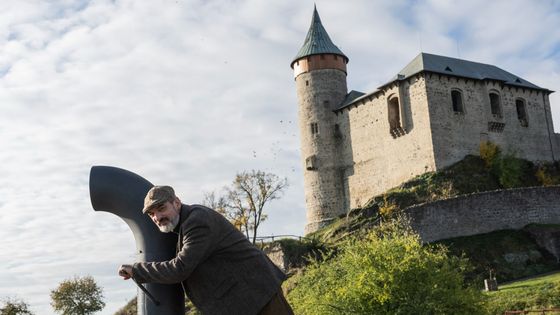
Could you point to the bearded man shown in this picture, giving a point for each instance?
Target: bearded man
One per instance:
(219, 269)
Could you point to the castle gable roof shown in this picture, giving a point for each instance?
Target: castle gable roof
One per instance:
(351, 97)
(460, 68)
(317, 41)
(425, 62)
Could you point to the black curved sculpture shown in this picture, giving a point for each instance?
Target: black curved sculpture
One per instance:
(121, 192)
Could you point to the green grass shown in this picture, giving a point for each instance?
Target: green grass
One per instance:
(529, 294)
(531, 282)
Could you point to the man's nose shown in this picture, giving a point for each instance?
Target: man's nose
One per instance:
(158, 216)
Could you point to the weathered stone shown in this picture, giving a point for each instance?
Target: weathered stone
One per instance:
(486, 212)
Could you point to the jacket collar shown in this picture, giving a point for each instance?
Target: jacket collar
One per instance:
(183, 214)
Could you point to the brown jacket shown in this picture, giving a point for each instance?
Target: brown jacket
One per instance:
(220, 270)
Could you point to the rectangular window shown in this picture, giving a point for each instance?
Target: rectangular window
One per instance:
(521, 112)
(457, 101)
(495, 106)
(314, 128)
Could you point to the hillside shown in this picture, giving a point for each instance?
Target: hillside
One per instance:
(512, 254)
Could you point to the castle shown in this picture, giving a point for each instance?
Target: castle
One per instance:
(433, 113)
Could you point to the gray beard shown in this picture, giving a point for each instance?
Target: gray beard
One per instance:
(169, 227)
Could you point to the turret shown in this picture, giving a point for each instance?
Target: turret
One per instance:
(320, 75)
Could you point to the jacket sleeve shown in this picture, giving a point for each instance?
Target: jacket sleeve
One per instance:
(197, 246)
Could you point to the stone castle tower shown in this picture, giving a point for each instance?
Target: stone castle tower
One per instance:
(433, 113)
(320, 75)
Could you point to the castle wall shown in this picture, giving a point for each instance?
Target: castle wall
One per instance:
(458, 134)
(372, 160)
(486, 212)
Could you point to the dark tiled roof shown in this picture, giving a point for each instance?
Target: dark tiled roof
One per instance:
(317, 41)
(351, 97)
(460, 68)
(455, 67)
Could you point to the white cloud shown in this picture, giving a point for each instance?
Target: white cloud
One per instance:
(188, 93)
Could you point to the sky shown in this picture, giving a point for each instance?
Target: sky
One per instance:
(188, 93)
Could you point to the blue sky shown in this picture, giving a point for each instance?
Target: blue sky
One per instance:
(188, 93)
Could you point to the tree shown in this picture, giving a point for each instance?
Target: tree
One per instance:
(15, 307)
(386, 271)
(244, 201)
(219, 203)
(77, 296)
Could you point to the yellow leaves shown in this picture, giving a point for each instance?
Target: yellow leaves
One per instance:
(386, 272)
(489, 152)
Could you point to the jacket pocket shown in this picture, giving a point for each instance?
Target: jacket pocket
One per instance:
(224, 287)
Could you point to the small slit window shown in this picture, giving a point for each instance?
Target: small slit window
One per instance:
(337, 132)
(521, 112)
(457, 101)
(495, 106)
(314, 128)
(322, 57)
(311, 163)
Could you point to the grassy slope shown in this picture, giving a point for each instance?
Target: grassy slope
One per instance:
(512, 254)
(535, 293)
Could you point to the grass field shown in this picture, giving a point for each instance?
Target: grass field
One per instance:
(530, 294)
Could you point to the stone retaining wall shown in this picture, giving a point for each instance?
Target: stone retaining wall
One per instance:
(486, 212)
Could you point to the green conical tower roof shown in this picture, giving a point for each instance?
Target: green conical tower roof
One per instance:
(317, 41)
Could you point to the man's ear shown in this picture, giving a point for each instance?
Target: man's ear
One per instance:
(177, 203)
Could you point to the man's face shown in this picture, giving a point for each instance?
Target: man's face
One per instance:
(166, 215)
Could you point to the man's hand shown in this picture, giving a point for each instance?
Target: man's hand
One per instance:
(125, 271)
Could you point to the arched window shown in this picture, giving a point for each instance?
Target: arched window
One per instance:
(457, 101)
(495, 105)
(394, 113)
(394, 116)
(521, 112)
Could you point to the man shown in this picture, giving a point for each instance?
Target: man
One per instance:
(220, 270)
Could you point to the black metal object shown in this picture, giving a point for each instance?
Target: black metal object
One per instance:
(121, 192)
(148, 294)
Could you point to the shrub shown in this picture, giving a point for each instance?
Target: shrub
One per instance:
(388, 271)
(489, 152)
(511, 171)
(548, 174)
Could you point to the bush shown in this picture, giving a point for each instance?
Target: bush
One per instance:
(548, 174)
(511, 171)
(388, 271)
(489, 152)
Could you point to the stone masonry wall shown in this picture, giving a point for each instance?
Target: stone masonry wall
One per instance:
(372, 160)
(458, 134)
(486, 212)
(318, 92)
